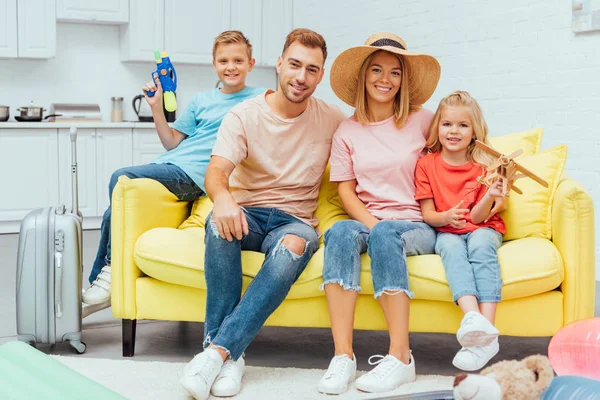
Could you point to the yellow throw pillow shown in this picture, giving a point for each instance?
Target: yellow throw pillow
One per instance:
(529, 214)
(200, 210)
(530, 141)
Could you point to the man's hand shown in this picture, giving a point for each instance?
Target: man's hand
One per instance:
(229, 218)
(156, 100)
(456, 216)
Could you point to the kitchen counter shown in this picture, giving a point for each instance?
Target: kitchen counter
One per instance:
(61, 125)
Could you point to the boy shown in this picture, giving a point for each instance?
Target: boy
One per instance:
(188, 143)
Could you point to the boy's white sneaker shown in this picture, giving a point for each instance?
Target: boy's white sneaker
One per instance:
(475, 358)
(200, 373)
(99, 292)
(388, 375)
(476, 330)
(341, 372)
(229, 381)
(88, 309)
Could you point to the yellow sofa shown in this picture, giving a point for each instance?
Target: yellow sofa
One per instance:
(547, 266)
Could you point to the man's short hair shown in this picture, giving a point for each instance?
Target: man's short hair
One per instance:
(229, 37)
(308, 38)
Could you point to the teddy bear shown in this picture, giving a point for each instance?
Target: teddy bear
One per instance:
(515, 380)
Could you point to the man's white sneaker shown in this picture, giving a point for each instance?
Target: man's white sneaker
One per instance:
(200, 373)
(475, 358)
(87, 309)
(99, 292)
(476, 330)
(229, 380)
(341, 372)
(388, 375)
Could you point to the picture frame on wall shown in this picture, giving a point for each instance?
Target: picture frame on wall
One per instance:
(586, 15)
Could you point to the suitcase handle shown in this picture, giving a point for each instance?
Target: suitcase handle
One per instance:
(59, 273)
(75, 200)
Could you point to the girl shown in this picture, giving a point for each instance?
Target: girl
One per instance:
(463, 211)
(373, 158)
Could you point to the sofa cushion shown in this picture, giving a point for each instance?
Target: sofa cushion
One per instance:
(529, 141)
(529, 266)
(530, 214)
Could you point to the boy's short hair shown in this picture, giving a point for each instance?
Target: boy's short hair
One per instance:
(308, 38)
(229, 37)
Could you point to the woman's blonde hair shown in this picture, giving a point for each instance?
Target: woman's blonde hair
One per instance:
(480, 129)
(402, 105)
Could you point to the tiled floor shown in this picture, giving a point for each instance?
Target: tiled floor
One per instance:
(275, 347)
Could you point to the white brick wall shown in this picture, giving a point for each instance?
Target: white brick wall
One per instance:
(518, 58)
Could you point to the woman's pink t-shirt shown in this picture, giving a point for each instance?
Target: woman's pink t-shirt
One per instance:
(382, 159)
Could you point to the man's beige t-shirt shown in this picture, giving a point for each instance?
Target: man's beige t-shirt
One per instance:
(279, 162)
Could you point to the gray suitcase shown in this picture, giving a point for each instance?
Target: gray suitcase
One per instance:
(49, 272)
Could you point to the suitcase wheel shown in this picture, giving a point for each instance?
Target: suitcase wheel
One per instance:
(78, 346)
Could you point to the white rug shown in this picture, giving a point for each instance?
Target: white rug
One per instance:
(146, 380)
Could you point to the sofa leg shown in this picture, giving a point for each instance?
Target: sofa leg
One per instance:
(129, 337)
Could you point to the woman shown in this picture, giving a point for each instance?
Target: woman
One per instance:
(373, 159)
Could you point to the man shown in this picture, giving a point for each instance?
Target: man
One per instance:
(263, 178)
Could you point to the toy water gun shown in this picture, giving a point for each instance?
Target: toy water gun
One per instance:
(168, 80)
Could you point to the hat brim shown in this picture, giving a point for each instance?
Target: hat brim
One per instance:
(423, 73)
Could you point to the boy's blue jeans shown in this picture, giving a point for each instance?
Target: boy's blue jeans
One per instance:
(388, 244)
(170, 175)
(232, 320)
(471, 263)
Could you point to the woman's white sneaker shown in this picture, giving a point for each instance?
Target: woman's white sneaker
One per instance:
(99, 292)
(387, 375)
(341, 372)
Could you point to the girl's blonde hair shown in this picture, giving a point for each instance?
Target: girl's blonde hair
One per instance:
(402, 105)
(480, 129)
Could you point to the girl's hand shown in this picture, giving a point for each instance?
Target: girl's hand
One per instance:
(156, 100)
(495, 191)
(456, 216)
(499, 206)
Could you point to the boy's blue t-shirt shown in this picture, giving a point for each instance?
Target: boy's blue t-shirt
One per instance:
(200, 121)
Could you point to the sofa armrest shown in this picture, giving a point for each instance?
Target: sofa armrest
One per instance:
(138, 205)
(573, 235)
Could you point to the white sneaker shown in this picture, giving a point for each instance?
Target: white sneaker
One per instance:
(99, 292)
(229, 380)
(476, 330)
(475, 358)
(341, 372)
(200, 373)
(388, 375)
(88, 309)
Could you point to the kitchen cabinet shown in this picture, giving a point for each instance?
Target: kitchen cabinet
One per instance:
(101, 12)
(113, 151)
(29, 178)
(146, 146)
(39, 160)
(8, 32)
(145, 31)
(36, 28)
(186, 29)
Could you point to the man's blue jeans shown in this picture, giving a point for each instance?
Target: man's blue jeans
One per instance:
(232, 320)
(471, 264)
(170, 175)
(388, 244)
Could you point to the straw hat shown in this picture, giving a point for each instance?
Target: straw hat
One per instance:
(423, 69)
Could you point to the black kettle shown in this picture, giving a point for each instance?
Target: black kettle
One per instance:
(142, 109)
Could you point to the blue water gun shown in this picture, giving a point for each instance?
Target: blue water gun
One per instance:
(168, 80)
